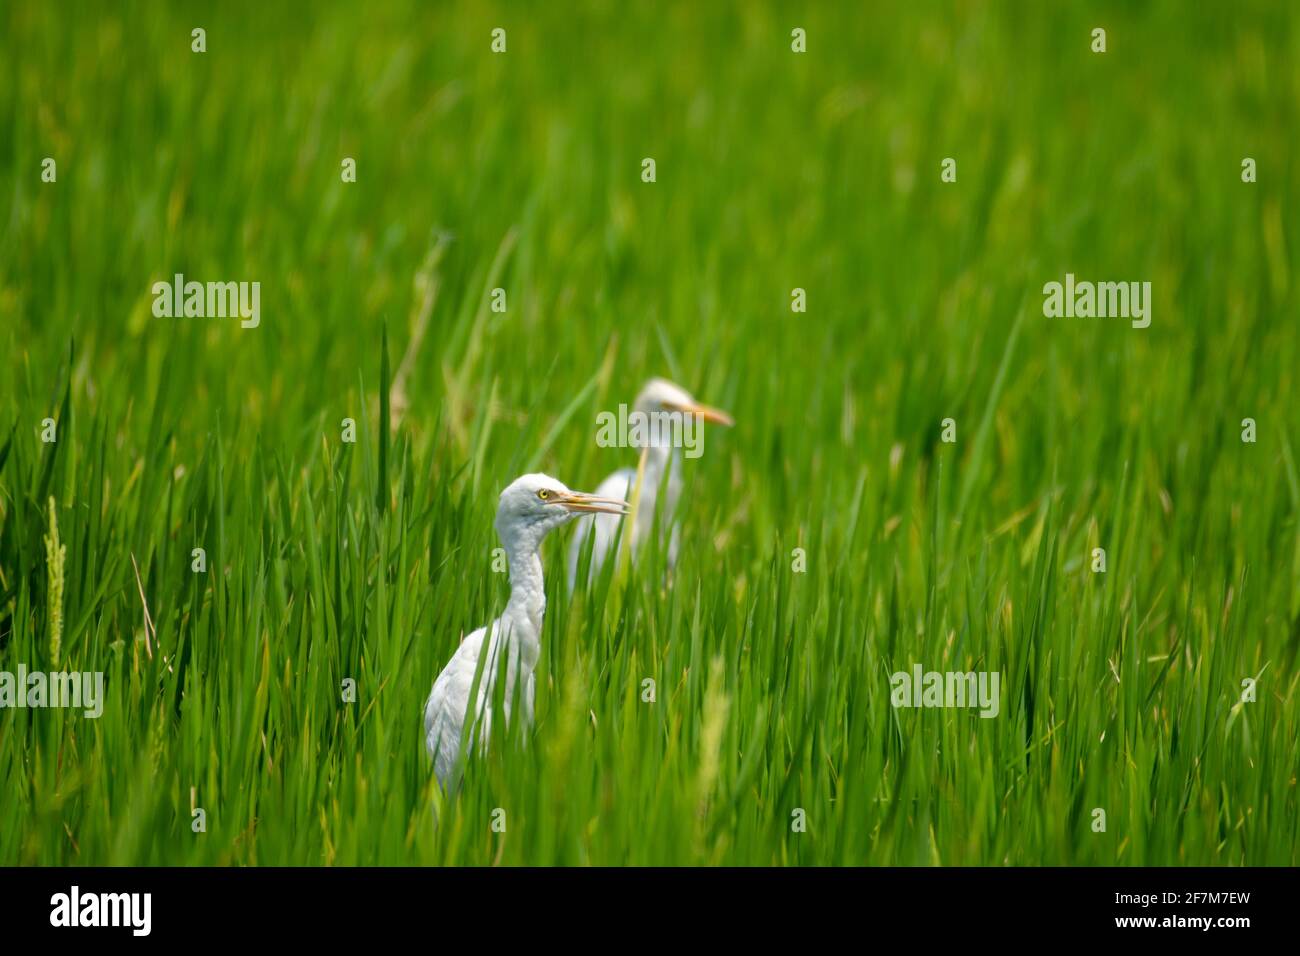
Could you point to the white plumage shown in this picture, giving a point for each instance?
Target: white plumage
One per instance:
(529, 509)
(663, 474)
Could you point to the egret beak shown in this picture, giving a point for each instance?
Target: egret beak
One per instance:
(580, 502)
(715, 415)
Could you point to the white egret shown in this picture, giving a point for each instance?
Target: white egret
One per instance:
(657, 398)
(529, 508)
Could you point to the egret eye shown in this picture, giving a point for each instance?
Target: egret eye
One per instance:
(543, 494)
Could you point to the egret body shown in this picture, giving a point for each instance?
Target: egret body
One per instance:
(529, 509)
(662, 472)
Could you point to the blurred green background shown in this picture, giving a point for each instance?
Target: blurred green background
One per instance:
(775, 171)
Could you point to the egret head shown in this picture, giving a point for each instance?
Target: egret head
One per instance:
(534, 505)
(661, 395)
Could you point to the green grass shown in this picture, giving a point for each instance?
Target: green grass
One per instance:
(329, 561)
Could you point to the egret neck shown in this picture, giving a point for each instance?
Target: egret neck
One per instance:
(524, 611)
(658, 460)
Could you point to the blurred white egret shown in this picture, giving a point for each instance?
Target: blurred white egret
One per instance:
(529, 508)
(659, 396)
